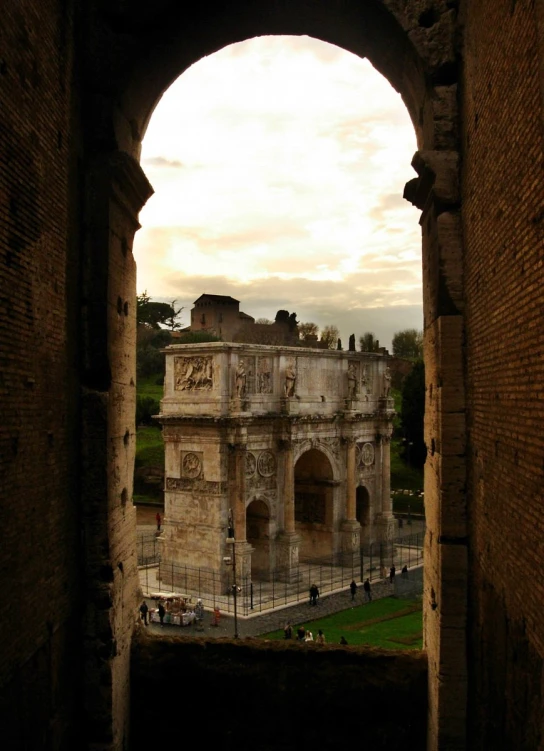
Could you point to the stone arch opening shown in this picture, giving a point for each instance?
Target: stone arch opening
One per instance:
(258, 536)
(314, 504)
(143, 63)
(362, 507)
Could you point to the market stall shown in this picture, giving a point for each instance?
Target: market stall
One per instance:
(178, 610)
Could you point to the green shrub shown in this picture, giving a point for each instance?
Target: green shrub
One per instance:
(146, 407)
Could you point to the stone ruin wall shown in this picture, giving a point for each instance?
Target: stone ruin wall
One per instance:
(40, 556)
(504, 226)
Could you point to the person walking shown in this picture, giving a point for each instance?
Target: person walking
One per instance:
(143, 612)
(162, 611)
(368, 590)
(404, 572)
(314, 594)
(158, 520)
(392, 574)
(353, 589)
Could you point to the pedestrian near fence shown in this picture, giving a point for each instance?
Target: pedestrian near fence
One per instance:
(368, 590)
(353, 589)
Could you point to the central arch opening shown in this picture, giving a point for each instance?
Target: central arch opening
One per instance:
(314, 504)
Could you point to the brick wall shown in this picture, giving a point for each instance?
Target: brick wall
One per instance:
(40, 669)
(504, 233)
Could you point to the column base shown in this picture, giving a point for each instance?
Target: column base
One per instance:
(243, 560)
(351, 543)
(240, 405)
(287, 547)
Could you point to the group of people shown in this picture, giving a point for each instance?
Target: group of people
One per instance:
(366, 587)
(303, 634)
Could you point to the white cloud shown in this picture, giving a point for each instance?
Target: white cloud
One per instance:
(278, 166)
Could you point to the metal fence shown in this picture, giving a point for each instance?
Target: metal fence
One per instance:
(282, 588)
(147, 548)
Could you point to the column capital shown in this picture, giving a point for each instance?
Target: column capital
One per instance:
(235, 448)
(285, 444)
(382, 438)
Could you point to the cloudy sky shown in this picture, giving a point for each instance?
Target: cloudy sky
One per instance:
(278, 166)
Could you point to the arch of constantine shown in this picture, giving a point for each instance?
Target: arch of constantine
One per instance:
(294, 441)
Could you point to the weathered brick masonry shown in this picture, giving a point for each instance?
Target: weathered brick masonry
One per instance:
(78, 83)
(40, 552)
(504, 256)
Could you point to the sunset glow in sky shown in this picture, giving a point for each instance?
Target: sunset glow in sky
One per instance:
(278, 166)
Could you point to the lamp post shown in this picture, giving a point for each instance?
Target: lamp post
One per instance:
(231, 540)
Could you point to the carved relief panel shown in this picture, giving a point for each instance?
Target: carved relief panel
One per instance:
(191, 464)
(193, 373)
(251, 464)
(366, 382)
(263, 375)
(261, 470)
(365, 455)
(266, 464)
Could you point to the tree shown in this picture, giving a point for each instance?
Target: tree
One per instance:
(339, 344)
(409, 344)
(368, 342)
(307, 330)
(352, 342)
(329, 335)
(412, 413)
(264, 321)
(171, 322)
(153, 314)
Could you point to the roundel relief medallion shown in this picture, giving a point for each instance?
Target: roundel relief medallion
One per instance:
(192, 465)
(266, 464)
(251, 464)
(367, 454)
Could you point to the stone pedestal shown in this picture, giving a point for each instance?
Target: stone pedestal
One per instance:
(287, 547)
(351, 543)
(385, 527)
(243, 561)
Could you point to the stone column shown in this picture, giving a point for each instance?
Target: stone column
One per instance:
(351, 529)
(387, 504)
(287, 545)
(237, 502)
(351, 480)
(385, 523)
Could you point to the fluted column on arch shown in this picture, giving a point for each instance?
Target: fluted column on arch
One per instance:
(351, 529)
(288, 541)
(237, 502)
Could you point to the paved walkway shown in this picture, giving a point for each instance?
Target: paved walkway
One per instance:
(272, 620)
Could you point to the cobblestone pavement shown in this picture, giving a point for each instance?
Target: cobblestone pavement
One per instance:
(270, 621)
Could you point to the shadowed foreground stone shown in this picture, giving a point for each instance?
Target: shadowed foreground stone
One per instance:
(264, 695)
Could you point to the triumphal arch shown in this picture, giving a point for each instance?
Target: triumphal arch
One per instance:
(295, 441)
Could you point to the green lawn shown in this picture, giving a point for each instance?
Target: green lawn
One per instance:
(387, 623)
(149, 387)
(149, 447)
